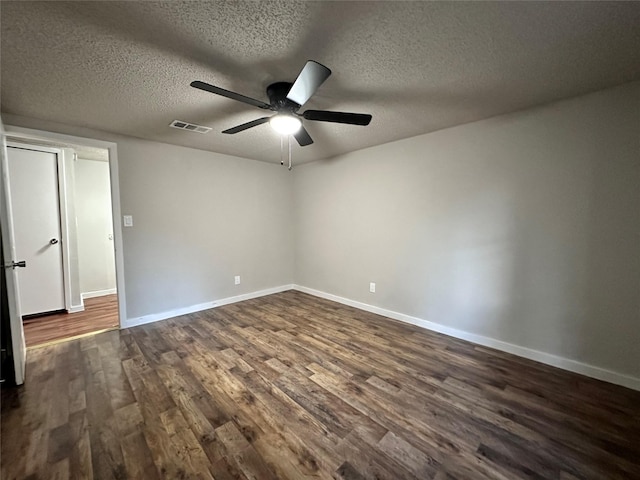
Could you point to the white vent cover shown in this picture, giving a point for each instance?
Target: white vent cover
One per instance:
(189, 126)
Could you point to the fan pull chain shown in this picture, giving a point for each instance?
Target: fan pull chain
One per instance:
(281, 150)
(282, 154)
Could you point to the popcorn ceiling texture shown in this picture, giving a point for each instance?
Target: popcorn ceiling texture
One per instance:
(125, 67)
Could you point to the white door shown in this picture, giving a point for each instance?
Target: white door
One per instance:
(35, 203)
(11, 275)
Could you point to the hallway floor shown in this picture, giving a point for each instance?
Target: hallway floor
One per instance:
(100, 314)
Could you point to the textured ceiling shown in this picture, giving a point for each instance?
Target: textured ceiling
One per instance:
(125, 67)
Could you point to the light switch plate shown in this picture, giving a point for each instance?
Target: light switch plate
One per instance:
(127, 220)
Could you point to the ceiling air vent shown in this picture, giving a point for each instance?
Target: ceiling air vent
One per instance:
(189, 126)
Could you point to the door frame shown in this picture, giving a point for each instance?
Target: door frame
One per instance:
(112, 147)
(62, 213)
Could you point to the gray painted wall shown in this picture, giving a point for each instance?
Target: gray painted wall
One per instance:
(523, 228)
(200, 219)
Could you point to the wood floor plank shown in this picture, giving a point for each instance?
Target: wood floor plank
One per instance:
(138, 458)
(360, 450)
(291, 386)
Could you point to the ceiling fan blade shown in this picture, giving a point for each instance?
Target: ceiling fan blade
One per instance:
(337, 117)
(303, 137)
(247, 125)
(310, 78)
(226, 93)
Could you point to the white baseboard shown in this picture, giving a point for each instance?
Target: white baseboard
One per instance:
(132, 322)
(542, 357)
(99, 293)
(76, 308)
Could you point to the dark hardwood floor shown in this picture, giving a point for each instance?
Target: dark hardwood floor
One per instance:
(292, 386)
(100, 313)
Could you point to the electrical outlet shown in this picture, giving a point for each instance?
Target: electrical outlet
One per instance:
(127, 220)
(372, 287)
(237, 280)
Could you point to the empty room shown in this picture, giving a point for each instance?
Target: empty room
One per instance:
(314, 239)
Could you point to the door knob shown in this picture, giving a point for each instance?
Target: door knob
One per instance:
(53, 241)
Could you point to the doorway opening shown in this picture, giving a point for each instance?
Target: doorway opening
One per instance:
(82, 278)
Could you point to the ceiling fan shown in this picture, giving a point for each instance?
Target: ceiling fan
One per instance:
(285, 99)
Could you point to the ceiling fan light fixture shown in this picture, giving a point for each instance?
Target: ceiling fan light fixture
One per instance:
(285, 99)
(285, 124)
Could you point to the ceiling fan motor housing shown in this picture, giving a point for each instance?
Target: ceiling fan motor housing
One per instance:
(277, 93)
